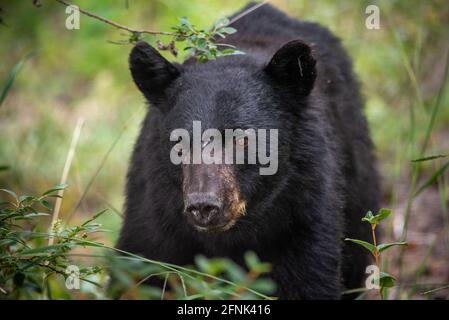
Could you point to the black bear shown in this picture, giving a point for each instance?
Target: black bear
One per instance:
(296, 78)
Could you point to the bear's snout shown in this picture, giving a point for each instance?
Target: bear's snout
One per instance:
(212, 201)
(204, 209)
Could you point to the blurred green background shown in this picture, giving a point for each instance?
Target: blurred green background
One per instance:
(80, 73)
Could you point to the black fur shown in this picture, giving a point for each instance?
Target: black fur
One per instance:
(296, 77)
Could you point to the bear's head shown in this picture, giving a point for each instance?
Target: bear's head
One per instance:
(209, 112)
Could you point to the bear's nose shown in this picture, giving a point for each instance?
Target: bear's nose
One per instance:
(203, 208)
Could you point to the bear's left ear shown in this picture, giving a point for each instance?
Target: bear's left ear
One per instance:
(151, 72)
(294, 66)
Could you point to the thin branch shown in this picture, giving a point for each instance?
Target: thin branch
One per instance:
(100, 167)
(436, 289)
(50, 267)
(65, 172)
(117, 25)
(248, 11)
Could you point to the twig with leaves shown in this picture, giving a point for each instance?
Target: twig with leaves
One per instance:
(24, 261)
(383, 280)
(201, 43)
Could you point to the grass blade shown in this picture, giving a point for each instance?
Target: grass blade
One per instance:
(429, 158)
(12, 76)
(433, 178)
(371, 248)
(385, 246)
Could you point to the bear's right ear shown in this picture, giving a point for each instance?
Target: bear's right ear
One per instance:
(151, 72)
(294, 66)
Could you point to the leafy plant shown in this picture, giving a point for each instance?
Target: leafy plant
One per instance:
(383, 280)
(202, 43)
(215, 278)
(29, 261)
(26, 261)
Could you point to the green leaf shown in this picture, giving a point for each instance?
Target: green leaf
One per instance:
(251, 259)
(222, 22)
(228, 30)
(24, 198)
(29, 208)
(231, 51)
(12, 76)
(202, 263)
(53, 196)
(11, 193)
(371, 248)
(430, 158)
(185, 27)
(46, 204)
(45, 249)
(375, 219)
(201, 43)
(385, 246)
(4, 168)
(55, 188)
(184, 20)
(382, 214)
(31, 215)
(368, 217)
(94, 217)
(235, 272)
(386, 280)
(266, 286)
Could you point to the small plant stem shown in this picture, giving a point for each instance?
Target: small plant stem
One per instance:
(376, 253)
(115, 24)
(376, 256)
(100, 167)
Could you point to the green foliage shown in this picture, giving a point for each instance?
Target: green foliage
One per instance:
(375, 219)
(26, 261)
(385, 246)
(29, 263)
(383, 280)
(371, 248)
(386, 280)
(203, 44)
(215, 278)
